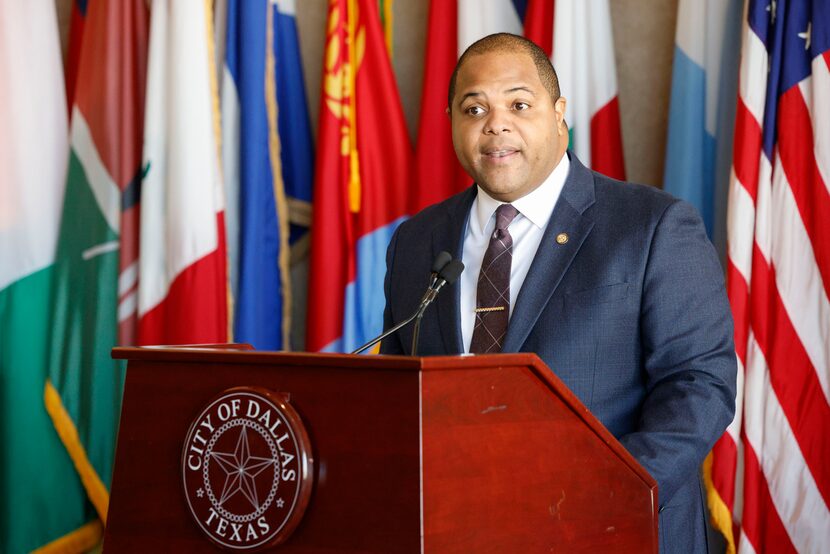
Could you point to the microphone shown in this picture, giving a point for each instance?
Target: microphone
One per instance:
(445, 271)
(441, 261)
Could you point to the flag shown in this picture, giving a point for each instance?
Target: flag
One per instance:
(361, 183)
(583, 55)
(182, 289)
(257, 209)
(539, 23)
(477, 20)
(770, 470)
(452, 27)
(94, 271)
(297, 157)
(41, 498)
(702, 108)
(296, 140)
(268, 167)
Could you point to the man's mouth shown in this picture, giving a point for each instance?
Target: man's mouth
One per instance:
(499, 153)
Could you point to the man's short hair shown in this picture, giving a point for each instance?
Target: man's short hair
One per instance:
(506, 42)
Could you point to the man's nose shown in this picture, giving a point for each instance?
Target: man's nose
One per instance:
(498, 121)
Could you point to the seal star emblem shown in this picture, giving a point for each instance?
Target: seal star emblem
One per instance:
(280, 502)
(200, 493)
(241, 469)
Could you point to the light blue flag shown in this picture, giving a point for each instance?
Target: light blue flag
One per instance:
(702, 109)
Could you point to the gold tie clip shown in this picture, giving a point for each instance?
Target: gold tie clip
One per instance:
(493, 309)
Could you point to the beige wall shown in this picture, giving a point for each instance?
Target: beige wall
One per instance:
(644, 44)
(644, 41)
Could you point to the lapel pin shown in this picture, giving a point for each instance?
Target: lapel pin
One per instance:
(562, 238)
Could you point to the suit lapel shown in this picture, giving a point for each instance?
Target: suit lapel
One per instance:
(552, 259)
(449, 236)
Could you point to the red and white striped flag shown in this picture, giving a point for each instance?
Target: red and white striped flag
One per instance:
(182, 287)
(770, 487)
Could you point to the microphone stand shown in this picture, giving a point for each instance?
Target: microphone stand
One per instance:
(428, 298)
(418, 314)
(446, 274)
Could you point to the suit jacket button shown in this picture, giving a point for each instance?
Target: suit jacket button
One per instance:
(562, 238)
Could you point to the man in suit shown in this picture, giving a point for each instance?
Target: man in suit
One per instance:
(614, 285)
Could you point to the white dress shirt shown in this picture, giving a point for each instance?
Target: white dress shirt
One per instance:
(526, 229)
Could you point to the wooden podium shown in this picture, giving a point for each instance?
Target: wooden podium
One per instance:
(443, 454)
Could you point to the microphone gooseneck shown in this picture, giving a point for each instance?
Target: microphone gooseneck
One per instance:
(444, 271)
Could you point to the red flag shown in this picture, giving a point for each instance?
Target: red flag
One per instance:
(539, 24)
(438, 175)
(73, 54)
(361, 183)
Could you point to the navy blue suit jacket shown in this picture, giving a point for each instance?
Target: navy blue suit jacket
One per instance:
(630, 313)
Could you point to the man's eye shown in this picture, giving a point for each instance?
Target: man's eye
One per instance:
(520, 106)
(475, 110)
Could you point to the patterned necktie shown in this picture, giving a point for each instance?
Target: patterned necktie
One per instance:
(493, 293)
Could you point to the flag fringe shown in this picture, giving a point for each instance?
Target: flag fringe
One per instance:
(354, 45)
(68, 433)
(217, 133)
(214, 88)
(719, 512)
(386, 18)
(82, 539)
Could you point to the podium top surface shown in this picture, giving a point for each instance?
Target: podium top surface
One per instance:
(245, 354)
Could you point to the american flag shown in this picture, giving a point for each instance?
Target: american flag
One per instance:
(771, 470)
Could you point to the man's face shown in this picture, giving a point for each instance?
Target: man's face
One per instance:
(507, 132)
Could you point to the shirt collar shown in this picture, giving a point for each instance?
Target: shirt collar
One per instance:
(537, 206)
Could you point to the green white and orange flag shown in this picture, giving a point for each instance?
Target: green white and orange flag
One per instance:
(93, 292)
(41, 499)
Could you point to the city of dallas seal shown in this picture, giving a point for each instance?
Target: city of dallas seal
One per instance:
(247, 469)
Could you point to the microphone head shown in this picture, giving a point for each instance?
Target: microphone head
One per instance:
(441, 261)
(451, 271)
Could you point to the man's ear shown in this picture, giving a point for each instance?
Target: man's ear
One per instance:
(559, 107)
(447, 111)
